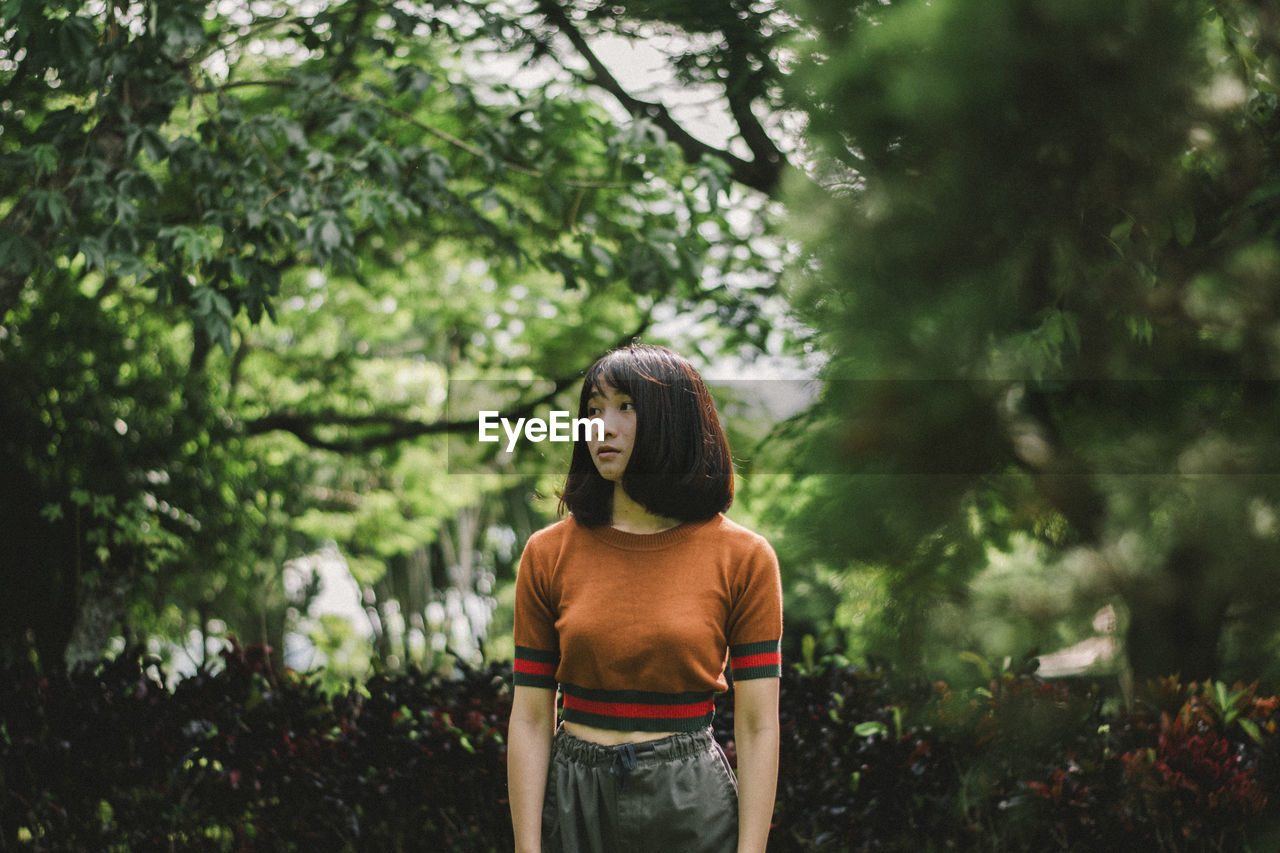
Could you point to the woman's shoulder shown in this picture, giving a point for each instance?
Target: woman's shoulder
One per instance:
(735, 534)
(554, 534)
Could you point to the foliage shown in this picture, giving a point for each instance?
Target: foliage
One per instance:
(174, 147)
(1017, 764)
(1044, 265)
(294, 232)
(120, 474)
(239, 758)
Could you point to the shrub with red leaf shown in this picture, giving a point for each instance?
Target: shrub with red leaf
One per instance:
(1195, 785)
(243, 759)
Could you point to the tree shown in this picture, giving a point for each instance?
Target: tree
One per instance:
(1048, 266)
(176, 175)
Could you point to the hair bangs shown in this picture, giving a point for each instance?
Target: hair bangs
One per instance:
(617, 370)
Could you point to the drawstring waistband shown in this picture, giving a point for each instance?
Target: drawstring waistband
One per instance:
(624, 762)
(624, 758)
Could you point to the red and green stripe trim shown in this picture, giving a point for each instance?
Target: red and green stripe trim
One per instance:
(638, 710)
(756, 660)
(535, 667)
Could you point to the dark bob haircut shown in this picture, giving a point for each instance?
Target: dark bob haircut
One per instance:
(680, 465)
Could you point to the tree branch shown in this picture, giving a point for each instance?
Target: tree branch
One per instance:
(443, 135)
(769, 160)
(761, 173)
(740, 100)
(306, 426)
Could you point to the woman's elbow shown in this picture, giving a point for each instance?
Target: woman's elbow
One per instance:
(533, 709)
(756, 706)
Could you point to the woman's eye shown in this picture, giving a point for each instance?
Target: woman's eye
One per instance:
(628, 406)
(593, 411)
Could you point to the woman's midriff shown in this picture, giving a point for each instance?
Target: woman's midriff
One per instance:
(608, 737)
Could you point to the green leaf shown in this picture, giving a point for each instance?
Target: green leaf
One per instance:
(1120, 233)
(438, 169)
(404, 22)
(95, 252)
(320, 161)
(1140, 329)
(214, 313)
(870, 729)
(1264, 193)
(978, 661)
(1252, 730)
(44, 157)
(180, 29)
(156, 146)
(342, 123)
(75, 38)
(18, 252)
(194, 243)
(51, 205)
(1221, 697)
(1184, 226)
(412, 79)
(330, 235)
(602, 258)
(326, 234)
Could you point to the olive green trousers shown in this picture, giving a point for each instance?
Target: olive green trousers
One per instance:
(674, 795)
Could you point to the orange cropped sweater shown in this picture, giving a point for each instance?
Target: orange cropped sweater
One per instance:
(637, 629)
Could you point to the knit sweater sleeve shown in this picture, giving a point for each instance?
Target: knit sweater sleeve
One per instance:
(536, 640)
(755, 616)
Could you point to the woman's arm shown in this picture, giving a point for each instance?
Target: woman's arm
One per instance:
(532, 725)
(755, 731)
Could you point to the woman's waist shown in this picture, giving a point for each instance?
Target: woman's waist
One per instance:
(577, 743)
(611, 737)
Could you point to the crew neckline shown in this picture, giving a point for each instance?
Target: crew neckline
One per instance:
(627, 541)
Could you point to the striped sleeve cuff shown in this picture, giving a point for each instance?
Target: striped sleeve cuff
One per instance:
(756, 660)
(535, 667)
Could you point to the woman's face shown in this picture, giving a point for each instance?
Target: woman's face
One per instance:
(612, 452)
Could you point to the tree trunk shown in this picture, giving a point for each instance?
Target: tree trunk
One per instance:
(97, 618)
(1175, 624)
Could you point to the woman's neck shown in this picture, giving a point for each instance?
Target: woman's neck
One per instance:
(631, 517)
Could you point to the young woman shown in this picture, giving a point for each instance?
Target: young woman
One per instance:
(633, 605)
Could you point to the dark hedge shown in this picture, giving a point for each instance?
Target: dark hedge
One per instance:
(239, 759)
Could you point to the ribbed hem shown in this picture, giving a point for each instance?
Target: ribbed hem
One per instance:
(637, 710)
(625, 541)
